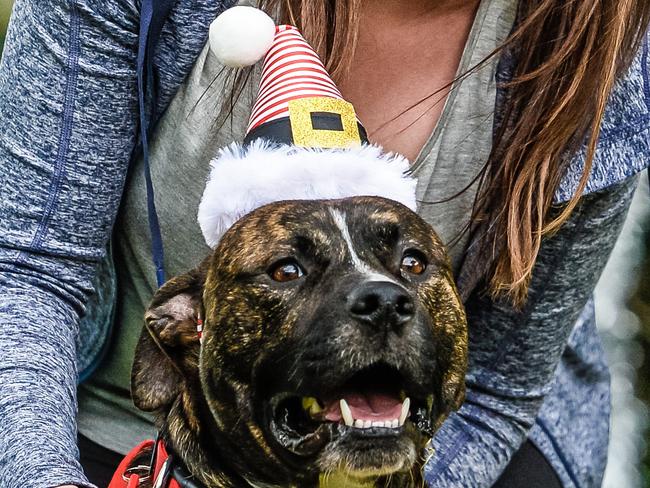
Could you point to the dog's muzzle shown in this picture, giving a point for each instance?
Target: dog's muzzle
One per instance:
(356, 394)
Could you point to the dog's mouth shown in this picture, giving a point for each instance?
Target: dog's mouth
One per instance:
(372, 403)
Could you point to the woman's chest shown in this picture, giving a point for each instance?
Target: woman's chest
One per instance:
(400, 74)
(194, 128)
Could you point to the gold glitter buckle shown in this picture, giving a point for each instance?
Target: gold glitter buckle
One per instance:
(301, 116)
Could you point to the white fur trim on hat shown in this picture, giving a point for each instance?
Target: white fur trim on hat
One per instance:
(243, 179)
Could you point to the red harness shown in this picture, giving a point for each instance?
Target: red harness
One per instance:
(131, 474)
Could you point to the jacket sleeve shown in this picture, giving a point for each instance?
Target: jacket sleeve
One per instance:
(514, 353)
(68, 103)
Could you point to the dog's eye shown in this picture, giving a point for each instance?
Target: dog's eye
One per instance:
(413, 263)
(286, 271)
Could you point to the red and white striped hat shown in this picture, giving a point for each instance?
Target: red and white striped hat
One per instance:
(303, 141)
(291, 71)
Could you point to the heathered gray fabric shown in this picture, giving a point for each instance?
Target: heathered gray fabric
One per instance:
(68, 110)
(514, 359)
(67, 129)
(186, 140)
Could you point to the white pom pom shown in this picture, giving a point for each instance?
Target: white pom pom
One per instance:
(241, 36)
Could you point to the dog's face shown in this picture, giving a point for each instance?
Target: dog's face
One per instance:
(334, 343)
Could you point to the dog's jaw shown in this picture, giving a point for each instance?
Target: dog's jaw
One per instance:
(367, 466)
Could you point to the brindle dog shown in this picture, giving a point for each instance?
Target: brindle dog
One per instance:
(334, 345)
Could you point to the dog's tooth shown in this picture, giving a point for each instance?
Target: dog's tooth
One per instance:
(367, 424)
(378, 424)
(402, 395)
(358, 424)
(395, 423)
(311, 405)
(406, 405)
(346, 413)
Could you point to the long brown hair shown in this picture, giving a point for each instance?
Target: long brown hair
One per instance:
(568, 55)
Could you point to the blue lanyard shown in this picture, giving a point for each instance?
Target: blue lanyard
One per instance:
(152, 17)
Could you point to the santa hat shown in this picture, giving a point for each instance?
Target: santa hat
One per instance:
(304, 141)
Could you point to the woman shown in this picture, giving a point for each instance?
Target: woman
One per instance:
(543, 201)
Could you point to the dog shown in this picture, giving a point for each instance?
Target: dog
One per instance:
(334, 345)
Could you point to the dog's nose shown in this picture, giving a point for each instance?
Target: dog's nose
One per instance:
(381, 304)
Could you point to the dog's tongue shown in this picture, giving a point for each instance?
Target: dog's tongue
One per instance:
(365, 406)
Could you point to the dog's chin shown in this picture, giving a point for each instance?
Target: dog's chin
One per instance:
(369, 426)
(369, 455)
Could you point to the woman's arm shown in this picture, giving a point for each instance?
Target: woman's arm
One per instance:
(514, 354)
(67, 130)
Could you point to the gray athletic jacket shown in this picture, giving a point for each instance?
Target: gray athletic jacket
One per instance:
(68, 110)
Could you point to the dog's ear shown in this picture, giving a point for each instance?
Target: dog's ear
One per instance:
(453, 381)
(453, 390)
(168, 348)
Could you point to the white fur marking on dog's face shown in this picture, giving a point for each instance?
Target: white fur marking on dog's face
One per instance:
(361, 266)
